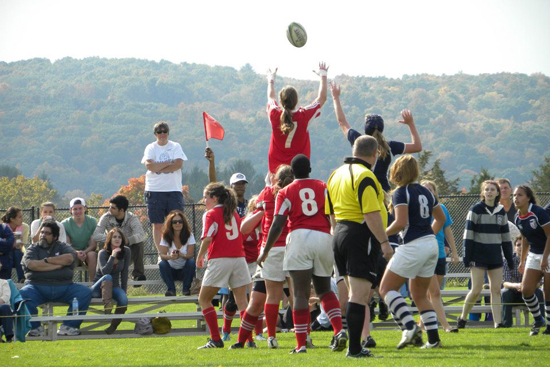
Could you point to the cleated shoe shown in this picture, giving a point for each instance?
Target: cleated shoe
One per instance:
(383, 312)
(261, 337)
(237, 346)
(296, 350)
(408, 336)
(212, 344)
(368, 343)
(340, 341)
(536, 328)
(251, 345)
(417, 339)
(437, 344)
(364, 353)
(460, 324)
(309, 342)
(272, 343)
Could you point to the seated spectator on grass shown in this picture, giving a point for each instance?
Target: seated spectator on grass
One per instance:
(177, 253)
(6, 317)
(80, 228)
(118, 216)
(511, 287)
(6, 247)
(111, 280)
(49, 267)
(47, 212)
(14, 219)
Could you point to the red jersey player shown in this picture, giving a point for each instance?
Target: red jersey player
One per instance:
(223, 240)
(289, 125)
(308, 254)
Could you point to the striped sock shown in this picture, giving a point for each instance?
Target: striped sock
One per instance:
(211, 318)
(300, 326)
(547, 313)
(260, 324)
(398, 321)
(399, 308)
(227, 319)
(331, 305)
(429, 318)
(248, 322)
(533, 306)
(271, 316)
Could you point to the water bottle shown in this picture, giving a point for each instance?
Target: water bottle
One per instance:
(75, 306)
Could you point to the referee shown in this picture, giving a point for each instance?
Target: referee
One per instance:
(355, 203)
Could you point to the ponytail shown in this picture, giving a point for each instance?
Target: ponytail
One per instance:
(284, 177)
(288, 97)
(226, 197)
(383, 146)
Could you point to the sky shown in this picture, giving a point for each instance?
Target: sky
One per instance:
(388, 38)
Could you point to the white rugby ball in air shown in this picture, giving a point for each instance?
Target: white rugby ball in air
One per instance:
(296, 34)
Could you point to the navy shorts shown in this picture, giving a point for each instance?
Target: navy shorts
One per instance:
(159, 204)
(440, 267)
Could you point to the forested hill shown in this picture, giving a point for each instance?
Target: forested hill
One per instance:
(85, 123)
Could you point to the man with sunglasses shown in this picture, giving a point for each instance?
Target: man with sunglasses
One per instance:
(163, 160)
(49, 266)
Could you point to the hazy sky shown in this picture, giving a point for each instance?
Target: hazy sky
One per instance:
(359, 37)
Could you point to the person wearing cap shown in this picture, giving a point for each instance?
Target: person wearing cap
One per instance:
(79, 229)
(163, 180)
(374, 126)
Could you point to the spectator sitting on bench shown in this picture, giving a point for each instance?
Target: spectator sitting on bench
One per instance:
(6, 317)
(177, 252)
(47, 212)
(49, 268)
(118, 216)
(80, 228)
(111, 280)
(511, 287)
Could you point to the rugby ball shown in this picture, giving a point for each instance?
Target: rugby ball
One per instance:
(296, 34)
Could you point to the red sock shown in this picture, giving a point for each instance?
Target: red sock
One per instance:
(227, 320)
(260, 324)
(271, 316)
(247, 325)
(211, 318)
(309, 323)
(300, 326)
(331, 305)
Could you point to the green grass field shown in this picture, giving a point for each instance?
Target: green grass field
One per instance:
(470, 347)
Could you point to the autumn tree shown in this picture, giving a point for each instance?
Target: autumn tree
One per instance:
(25, 192)
(541, 177)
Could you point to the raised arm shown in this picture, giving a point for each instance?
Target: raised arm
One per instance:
(338, 111)
(209, 155)
(415, 145)
(323, 69)
(271, 84)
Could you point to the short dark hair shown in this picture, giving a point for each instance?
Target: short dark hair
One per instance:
(120, 201)
(161, 124)
(53, 226)
(301, 166)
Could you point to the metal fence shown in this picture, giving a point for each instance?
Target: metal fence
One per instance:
(458, 206)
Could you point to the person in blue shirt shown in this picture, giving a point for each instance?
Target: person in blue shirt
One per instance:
(374, 126)
(414, 205)
(534, 224)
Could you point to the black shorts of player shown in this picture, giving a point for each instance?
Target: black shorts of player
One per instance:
(484, 266)
(259, 286)
(356, 251)
(441, 267)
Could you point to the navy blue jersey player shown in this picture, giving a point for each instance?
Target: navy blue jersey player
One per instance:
(534, 224)
(414, 206)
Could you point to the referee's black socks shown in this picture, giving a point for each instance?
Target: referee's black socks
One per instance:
(355, 314)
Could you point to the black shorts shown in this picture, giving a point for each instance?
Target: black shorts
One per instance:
(259, 286)
(380, 269)
(441, 266)
(485, 266)
(356, 251)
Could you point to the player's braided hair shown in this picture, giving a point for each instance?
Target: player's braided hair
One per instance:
(289, 99)
(226, 197)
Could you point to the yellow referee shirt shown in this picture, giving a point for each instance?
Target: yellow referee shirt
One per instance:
(353, 190)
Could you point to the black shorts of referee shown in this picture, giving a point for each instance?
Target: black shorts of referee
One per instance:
(356, 251)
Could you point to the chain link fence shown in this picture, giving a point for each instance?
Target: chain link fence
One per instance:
(458, 206)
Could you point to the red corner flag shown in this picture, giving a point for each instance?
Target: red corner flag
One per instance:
(212, 128)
